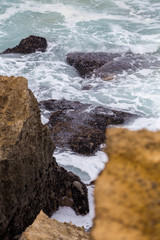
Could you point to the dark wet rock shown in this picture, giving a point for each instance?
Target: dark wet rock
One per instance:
(80, 127)
(87, 140)
(30, 178)
(28, 45)
(86, 63)
(114, 67)
(106, 65)
(87, 87)
(67, 191)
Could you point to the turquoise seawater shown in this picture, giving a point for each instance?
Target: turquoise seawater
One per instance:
(90, 26)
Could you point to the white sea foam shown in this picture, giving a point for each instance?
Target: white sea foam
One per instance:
(152, 124)
(66, 214)
(90, 165)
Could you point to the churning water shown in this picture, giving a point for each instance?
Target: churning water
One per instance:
(88, 26)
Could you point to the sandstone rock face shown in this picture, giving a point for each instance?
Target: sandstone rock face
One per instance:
(28, 45)
(128, 190)
(106, 65)
(79, 126)
(45, 228)
(30, 179)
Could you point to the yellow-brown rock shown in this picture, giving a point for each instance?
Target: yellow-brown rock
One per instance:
(14, 110)
(127, 193)
(45, 228)
(26, 152)
(30, 178)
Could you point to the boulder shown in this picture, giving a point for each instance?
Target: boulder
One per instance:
(28, 45)
(80, 127)
(106, 65)
(127, 192)
(45, 228)
(87, 63)
(30, 179)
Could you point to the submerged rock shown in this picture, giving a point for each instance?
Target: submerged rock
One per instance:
(30, 179)
(105, 65)
(28, 45)
(45, 228)
(127, 192)
(79, 126)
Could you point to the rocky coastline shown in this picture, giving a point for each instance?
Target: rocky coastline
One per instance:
(80, 127)
(33, 185)
(126, 193)
(106, 65)
(30, 178)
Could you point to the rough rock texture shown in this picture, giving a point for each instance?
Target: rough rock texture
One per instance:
(78, 126)
(45, 228)
(105, 65)
(28, 45)
(127, 192)
(30, 179)
(86, 63)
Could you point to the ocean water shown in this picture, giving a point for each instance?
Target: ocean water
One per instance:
(88, 26)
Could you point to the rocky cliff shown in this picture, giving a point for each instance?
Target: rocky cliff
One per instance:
(45, 228)
(127, 193)
(30, 179)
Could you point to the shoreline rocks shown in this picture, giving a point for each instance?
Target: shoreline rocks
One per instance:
(87, 63)
(127, 192)
(105, 65)
(45, 228)
(28, 45)
(30, 178)
(80, 127)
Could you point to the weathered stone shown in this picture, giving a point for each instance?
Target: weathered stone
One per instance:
(45, 228)
(28, 45)
(30, 179)
(86, 63)
(87, 140)
(127, 192)
(67, 192)
(106, 65)
(79, 126)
